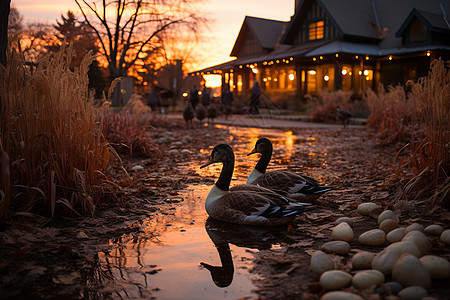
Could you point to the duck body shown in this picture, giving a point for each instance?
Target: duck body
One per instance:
(211, 113)
(245, 206)
(294, 186)
(343, 115)
(200, 113)
(188, 114)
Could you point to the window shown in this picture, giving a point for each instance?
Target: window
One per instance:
(315, 30)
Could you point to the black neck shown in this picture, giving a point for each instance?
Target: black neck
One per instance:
(264, 160)
(224, 180)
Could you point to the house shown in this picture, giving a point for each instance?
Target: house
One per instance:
(330, 45)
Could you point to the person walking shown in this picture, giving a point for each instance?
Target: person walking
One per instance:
(254, 100)
(206, 96)
(227, 100)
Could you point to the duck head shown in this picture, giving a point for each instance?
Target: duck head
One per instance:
(220, 154)
(263, 145)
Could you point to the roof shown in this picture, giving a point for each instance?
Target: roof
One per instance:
(434, 22)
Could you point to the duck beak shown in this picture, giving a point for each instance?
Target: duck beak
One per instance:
(208, 162)
(252, 152)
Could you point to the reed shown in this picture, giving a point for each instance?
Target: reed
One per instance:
(51, 146)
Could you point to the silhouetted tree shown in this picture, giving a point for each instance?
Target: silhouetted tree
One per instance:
(5, 6)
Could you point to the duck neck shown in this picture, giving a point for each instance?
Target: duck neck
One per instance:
(264, 160)
(224, 180)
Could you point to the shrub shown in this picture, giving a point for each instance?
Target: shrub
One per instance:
(323, 108)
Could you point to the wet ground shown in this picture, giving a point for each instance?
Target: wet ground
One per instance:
(160, 243)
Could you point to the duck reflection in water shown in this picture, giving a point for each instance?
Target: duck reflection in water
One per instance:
(223, 233)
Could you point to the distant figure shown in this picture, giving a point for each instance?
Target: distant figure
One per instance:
(200, 113)
(193, 97)
(206, 96)
(188, 114)
(153, 99)
(211, 113)
(254, 100)
(227, 100)
(343, 115)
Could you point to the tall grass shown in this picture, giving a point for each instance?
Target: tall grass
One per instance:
(51, 147)
(323, 107)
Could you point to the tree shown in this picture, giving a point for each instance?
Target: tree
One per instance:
(5, 7)
(135, 30)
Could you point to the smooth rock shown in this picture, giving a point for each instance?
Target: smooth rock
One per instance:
(321, 262)
(434, 230)
(347, 220)
(413, 293)
(385, 261)
(388, 225)
(421, 241)
(396, 235)
(387, 214)
(374, 237)
(403, 247)
(137, 168)
(364, 279)
(362, 260)
(337, 247)
(437, 267)
(335, 279)
(163, 140)
(186, 139)
(342, 232)
(185, 151)
(414, 227)
(394, 287)
(173, 152)
(340, 295)
(408, 271)
(366, 208)
(445, 237)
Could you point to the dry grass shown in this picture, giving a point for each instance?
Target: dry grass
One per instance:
(53, 154)
(323, 108)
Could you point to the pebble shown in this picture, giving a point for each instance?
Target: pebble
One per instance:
(137, 168)
(396, 235)
(434, 230)
(185, 151)
(445, 237)
(408, 271)
(342, 232)
(421, 241)
(362, 260)
(347, 220)
(405, 247)
(389, 288)
(437, 267)
(186, 139)
(388, 225)
(414, 227)
(337, 247)
(413, 293)
(366, 208)
(387, 214)
(364, 279)
(335, 279)
(385, 261)
(321, 262)
(163, 140)
(374, 237)
(340, 295)
(173, 152)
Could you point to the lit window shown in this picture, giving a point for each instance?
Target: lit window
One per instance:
(315, 30)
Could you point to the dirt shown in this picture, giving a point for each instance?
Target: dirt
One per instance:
(42, 259)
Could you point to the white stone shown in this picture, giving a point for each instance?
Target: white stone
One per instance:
(337, 247)
(137, 168)
(387, 214)
(347, 220)
(366, 278)
(405, 247)
(362, 260)
(335, 279)
(321, 262)
(340, 295)
(366, 208)
(385, 261)
(413, 293)
(342, 232)
(185, 151)
(414, 227)
(173, 152)
(408, 271)
(437, 267)
(445, 237)
(434, 230)
(396, 235)
(388, 225)
(421, 241)
(374, 237)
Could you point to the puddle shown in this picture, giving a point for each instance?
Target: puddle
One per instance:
(185, 255)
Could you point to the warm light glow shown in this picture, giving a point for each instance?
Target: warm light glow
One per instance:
(291, 76)
(360, 72)
(312, 72)
(314, 59)
(255, 71)
(428, 53)
(321, 57)
(199, 93)
(277, 61)
(265, 79)
(326, 78)
(212, 81)
(145, 83)
(366, 72)
(367, 78)
(240, 67)
(390, 57)
(344, 72)
(185, 95)
(337, 55)
(356, 56)
(291, 58)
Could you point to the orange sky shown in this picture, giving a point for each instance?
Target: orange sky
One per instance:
(228, 16)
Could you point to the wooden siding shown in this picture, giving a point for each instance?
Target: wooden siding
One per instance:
(250, 46)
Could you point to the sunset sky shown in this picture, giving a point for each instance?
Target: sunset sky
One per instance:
(228, 16)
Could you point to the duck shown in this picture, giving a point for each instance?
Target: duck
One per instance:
(246, 207)
(188, 114)
(211, 113)
(200, 113)
(343, 115)
(292, 185)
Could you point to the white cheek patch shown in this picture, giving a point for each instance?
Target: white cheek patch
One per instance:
(297, 187)
(254, 174)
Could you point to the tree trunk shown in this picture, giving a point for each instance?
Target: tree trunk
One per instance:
(4, 14)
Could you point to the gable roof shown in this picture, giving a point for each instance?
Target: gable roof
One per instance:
(434, 22)
(266, 31)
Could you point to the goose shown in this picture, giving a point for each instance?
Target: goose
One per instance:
(200, 113)
(188, 114)
(211, 113)
(246, 207)
(343, 115)
(289, 184)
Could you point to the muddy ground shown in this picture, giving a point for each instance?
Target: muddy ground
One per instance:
(42, 259)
